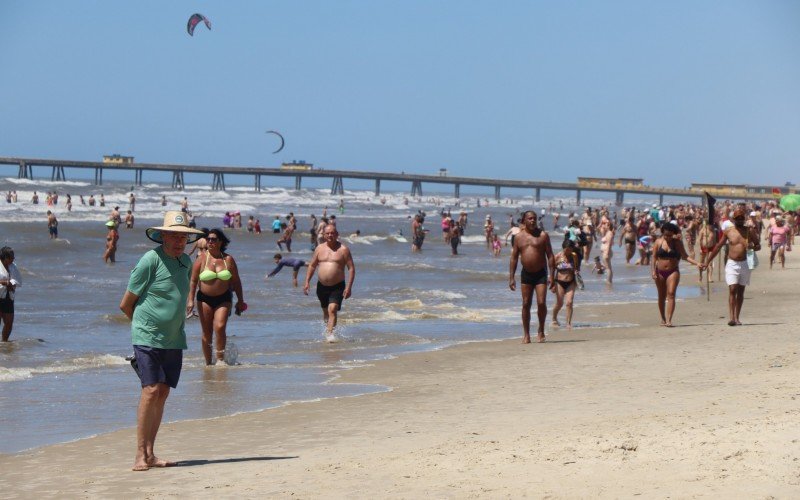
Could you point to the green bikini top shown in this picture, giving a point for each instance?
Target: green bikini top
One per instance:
(208, 274)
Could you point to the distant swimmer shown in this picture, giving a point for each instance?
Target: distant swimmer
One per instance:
(533, 249)
(282, 262)
(52, 225)
(332, 258)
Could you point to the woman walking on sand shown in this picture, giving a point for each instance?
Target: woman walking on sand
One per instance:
(564, 283)
(668, 251)
(217, 276)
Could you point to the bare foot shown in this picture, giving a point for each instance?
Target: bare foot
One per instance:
(540, 338)
(569, 326)
(731, 323)
(158, 462)
(140, 467)
(738, 323)
(555, 324)
(526, 339)
(668, 325)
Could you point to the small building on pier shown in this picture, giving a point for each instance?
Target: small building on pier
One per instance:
(116, 159)
(299, 165)
(730, 190)
(613, 182)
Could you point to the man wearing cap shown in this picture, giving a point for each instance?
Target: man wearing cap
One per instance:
(739, 239)
(155, 301)
(111, 242)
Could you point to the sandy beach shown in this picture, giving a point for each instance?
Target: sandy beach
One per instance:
(700, 410)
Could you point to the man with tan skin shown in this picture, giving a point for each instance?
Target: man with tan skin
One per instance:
(737, 275)
(331, 258)
(155, 302)
(532, 247)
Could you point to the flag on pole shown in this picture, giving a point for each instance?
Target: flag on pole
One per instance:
(710, 202)
(776, 192)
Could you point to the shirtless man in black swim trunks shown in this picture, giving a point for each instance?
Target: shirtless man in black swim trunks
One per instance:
(331, 258)
(532, 247)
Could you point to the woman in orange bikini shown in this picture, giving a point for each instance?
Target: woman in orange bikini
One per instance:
(218, 279)
(668, 250)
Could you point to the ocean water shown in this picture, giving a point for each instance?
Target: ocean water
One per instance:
(64, 376)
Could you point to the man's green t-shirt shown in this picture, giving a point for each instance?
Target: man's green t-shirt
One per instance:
(162, 284)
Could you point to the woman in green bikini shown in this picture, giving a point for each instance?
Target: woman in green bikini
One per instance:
(218, 279)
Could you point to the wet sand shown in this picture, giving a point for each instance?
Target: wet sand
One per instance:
(699, 410)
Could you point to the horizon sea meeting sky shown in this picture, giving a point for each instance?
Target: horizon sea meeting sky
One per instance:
(674, 92)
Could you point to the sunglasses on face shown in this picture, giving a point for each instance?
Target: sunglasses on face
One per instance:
(212, 239)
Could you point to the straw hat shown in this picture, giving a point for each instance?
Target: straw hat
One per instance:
(176, 222)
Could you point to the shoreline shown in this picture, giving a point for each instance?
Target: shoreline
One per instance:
(597, 411)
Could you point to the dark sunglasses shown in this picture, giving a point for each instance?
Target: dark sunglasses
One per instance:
(212, 239)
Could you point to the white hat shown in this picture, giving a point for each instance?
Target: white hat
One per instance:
(174, 221)
(488, 216)
(752, 214)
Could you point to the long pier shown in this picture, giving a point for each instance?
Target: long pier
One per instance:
(217, 173)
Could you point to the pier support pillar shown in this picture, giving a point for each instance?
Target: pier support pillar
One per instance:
(257, 181)
(416, 188)
(298, 182)
(98, 176)
(177, 180)
(537, 197)
(620, 198)
(377, 187)
(139, 173)
(457, 192)
(497, 193)
(661, 200)
(218, 184)
(58, 174)
(578, 198)
(338, 186)
(25, 171)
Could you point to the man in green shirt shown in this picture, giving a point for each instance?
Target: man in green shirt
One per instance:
(155, 302)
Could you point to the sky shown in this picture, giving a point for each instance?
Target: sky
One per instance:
(673, 92)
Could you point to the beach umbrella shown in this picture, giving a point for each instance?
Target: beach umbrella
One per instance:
(790, 202)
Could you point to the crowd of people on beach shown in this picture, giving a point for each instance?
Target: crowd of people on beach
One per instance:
(169, 283)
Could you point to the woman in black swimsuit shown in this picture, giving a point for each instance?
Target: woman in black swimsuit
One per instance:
(668, 250)
(567, 266)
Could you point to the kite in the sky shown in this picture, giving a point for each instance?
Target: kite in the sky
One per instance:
(194, 21)
(280, 137)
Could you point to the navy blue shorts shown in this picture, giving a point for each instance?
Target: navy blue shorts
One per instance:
(158, 366)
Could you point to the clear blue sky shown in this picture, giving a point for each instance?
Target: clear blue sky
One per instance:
(674, 92)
